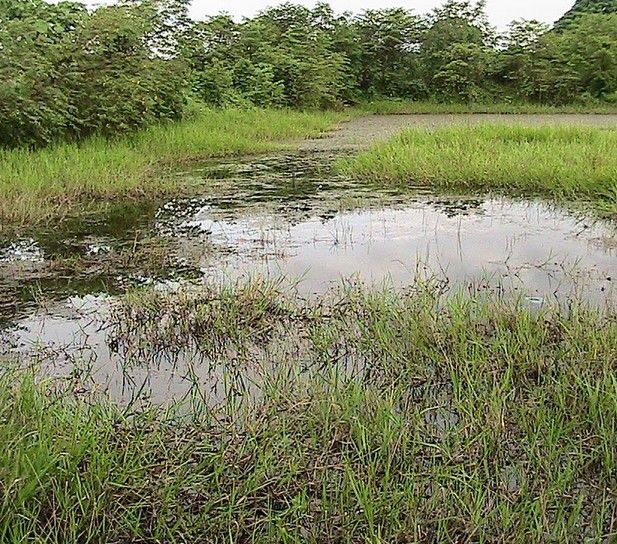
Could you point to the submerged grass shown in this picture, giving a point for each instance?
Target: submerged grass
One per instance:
(566, 163)
(51, 182)
(467, 418)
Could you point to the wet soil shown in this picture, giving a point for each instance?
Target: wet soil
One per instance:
(365, 131)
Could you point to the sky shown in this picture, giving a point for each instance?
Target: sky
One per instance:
(501, 12)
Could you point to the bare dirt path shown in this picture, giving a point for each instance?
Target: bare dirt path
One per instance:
(364, 131)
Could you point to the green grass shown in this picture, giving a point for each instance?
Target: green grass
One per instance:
(565, 163)
(65, 179)
(468, 419)
(401, 107)
(62, 179)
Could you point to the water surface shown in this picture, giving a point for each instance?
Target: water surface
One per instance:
(276, 216)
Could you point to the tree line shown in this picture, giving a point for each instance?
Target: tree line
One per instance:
(582, 7)
(67, 72)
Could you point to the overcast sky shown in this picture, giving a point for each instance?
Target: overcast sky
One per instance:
(501, 12)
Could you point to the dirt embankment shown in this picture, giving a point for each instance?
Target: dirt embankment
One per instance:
(364, 131)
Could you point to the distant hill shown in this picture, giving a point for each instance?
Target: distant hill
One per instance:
(588, 6)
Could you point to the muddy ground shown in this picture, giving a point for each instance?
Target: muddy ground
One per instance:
(364, 131)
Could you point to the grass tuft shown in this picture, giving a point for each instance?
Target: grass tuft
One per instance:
(390, 106)
(62, 179)
(565, 163)
(393, 417)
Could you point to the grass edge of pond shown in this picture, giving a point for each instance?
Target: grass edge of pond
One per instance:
(51, 183)
(477, 419)
(391, 106)
(574, 166)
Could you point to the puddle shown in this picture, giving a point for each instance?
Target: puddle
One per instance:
(279, 216)
(73, 344)
(289, 218)
(522, 246)
(26, 250)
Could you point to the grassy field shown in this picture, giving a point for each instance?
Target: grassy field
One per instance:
(566, 163)
(383, 417)
(51, 183)
(55, 181)
(401, 107)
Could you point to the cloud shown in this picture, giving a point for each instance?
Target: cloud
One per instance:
(501, 12)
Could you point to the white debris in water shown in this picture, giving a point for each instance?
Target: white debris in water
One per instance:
(22, 251)
(204, 225)
(93, 303)
(168, 286)
(170, 214)
(95, 249)
(203, 210)
(200, 222)
(141, 280)
(91, 300)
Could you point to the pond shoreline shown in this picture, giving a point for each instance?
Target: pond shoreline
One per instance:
(166, 378)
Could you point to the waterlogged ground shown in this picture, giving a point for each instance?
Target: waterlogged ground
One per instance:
(296, 221)
(285, 216)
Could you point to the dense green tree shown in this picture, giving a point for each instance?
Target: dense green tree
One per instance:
(35, 104)
(387, 62)
(288, 55)
(462, 74)
(67, 71)
(519, 59)
(590, 46)
(560, 67)
(294, 42)
(456, 50)
(117, 83)
(209, 49)
(584, 7)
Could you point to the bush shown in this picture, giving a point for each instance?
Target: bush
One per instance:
(69, 73)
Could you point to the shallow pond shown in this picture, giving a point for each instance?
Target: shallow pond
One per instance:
(329, 228)
(283, 216)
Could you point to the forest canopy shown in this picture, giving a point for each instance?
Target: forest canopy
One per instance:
(582, 7)
(67, 72)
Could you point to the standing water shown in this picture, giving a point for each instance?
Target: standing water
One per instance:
(285, 217)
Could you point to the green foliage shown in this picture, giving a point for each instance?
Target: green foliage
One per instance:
(575, 64)
(454, 50)
(297, 57)
(462, 74)
(386, 62)
(284, 56)
(68, 72)
(34, 107)
(582, 7)
(132, 87)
